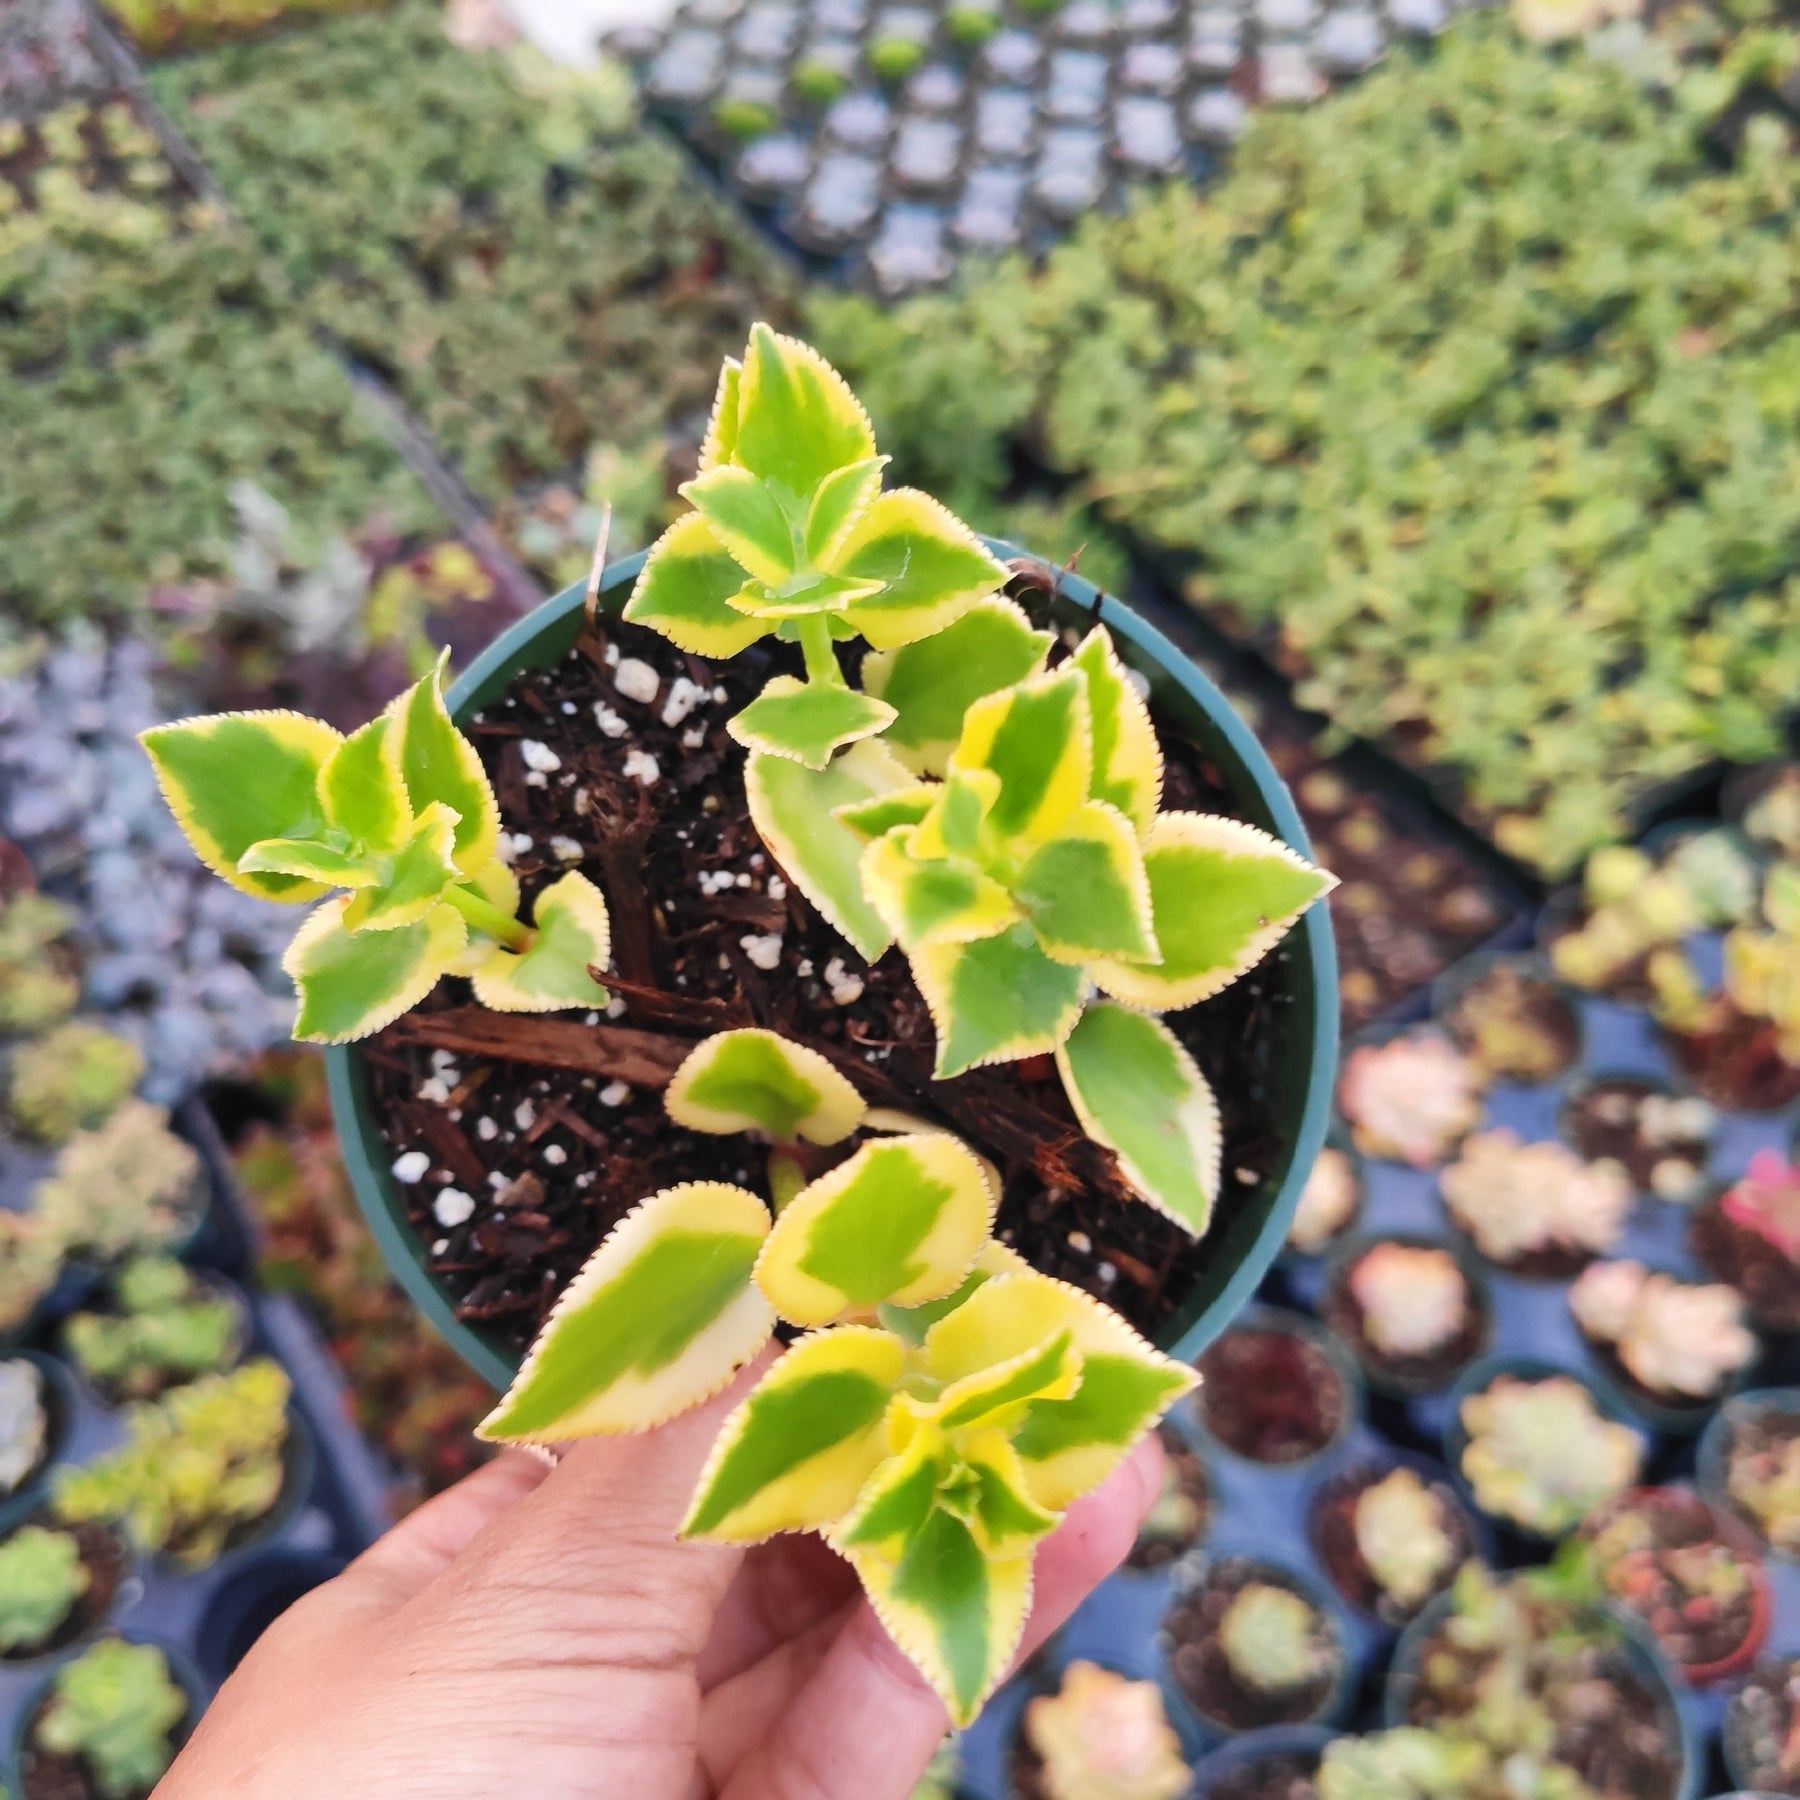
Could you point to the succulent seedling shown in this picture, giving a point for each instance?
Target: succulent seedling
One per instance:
(41, 1578)
(1766, 1201)
(1399, 1526)
(399, 825)
(1514, 1199)
(114, 1708)
(1102, 1737)
(35, 990)
(1681, 1338)
(1274, 1639)
(1413, 1763)
(1411, 1099)
(1413, 1298)
(70, 1079)
(927, 1423)
(24, 1424)
(168, 1328)
(1541, 1454)
(127, 1186)
(30, 1261)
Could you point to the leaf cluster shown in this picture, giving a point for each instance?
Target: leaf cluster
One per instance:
(69, 1080)
(114, 1708)
(42, 1576)
(167, 1327)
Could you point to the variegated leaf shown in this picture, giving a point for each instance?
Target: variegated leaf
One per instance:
(747, 517)
(1086, 890)
(362, 790)
(413, 880)
(572, 932)
(899, 1223)
(311, 860)
(353, 983)
(1069, 1446)
(941, 901)
(1128, 763)
(797, 420)
(685, 588)
(931, 684)
(812, 591)
(870, 819)
(957, 1614)
(995, 1399)
(807, 721)
(660, 1318)
(438, 764)
(1136, 1090)
(1037, 739)
(1222, 895)
(792, 810)
(932, 568)
(237, 779)
(837, 503)
(997, 1000)
(990, 1492)
(796, 1453)
(720, 441)
(755, 1080)
(957, 824)
(910, 1323)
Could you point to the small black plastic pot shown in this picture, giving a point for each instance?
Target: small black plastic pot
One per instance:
(59, 1403)
(1305, 1744)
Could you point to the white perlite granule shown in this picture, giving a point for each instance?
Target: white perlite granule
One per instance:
(539, 756)
(636, 680)
(764, 951)
(615, 1093)
(555, 1155)
(486, 1130)
(846, 988)
(452, 1207)
(641, 766)
(565, 849)
(525, 1115)
(611, 723)
(410, 1166)
(684, 696)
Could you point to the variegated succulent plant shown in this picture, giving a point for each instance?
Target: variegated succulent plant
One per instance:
(997, 816)
(398, 824)
(943, 1410)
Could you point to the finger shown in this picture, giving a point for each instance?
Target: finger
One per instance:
(783, 1590)
(865, 1723)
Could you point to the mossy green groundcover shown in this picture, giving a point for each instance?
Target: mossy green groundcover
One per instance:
(1473, 392)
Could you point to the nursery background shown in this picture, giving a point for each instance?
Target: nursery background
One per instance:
(1429, 374)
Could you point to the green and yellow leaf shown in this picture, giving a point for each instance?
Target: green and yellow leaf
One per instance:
(1037, 741)
(898, 1497)
(797, 420)
(1136, 1090)
(438, 764)
(353, 983)
(990, 1491)
(362, 791)
(931, 684)
(932, 568)
(941, 901)
(997, 999)
(811, 591)
(837, 503)
(1222, 894)
(413, 880)
(900, 1222)
(955, 1613)
(756, 1080)
(685, 588)
(746, 516)
(1086, 890)
(869, 819)
(237, 779)
(792, 808)
(720, 441)
(996, 1398)
(1068, 1445)
(1128, 763)
(807, 721)
(796, 1453)
(660, 1318)
(573, 932)
(311, 860)
(910, 1323)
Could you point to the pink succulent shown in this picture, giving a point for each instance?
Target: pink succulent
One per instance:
(1767, 1202)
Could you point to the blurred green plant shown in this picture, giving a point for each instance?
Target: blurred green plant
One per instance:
(114, 1708)
(42, 1576)
(168, 1327)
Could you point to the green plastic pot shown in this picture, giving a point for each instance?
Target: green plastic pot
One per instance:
(1302, 1077)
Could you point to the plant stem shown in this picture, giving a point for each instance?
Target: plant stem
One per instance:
(486, 917)
(815, 646)
(786, 1178)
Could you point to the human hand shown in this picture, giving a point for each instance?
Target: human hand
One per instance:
(541, 1633)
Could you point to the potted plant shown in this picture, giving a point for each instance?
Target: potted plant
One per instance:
(1749, 1235)
(1412, 1313)
(209, 1469)
(37, 1407)
(1537, 1452)
(1533, 1668)
(698, 828)
(106, 1726)
(1669, 1348)
(58, 1585)
(69, 1080)
(1099, 1736)
(1277, 1391)
(1535, 1210)
(1390, 1537)
(1183, 1512)
(1662, 1139)
(1254, 1644)
(1412, 1763)
(30, 1262)
(1761, 1743)
(1662, 1554)
(165, 1325)
(1749, 1466)
(1281, 1763)
(39, 978)
(1330, 1202)
(121, 1188)
(1411, 1099)
(1515, 1022)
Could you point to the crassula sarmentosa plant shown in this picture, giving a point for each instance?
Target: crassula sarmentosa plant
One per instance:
(1542, 1455)
(1681, 1338)
(1274, 1640)
(395, 832)
(1102, 1737)
(943, 1410)
(997, 816)
(1399, 1527)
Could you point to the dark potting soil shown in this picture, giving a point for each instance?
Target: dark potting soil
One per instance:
(1425, 1373)
(1198, 1660)
(1605, 1119)
(1333, 1530)
(1762, 1727)
(1739, 1066)
(1768, 1280)
(43, 1776)
(107, 1563)
(1518, 1027)
(1269, 1395)
(1158, 1544)
(1271, 1778)
(553, 1126)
